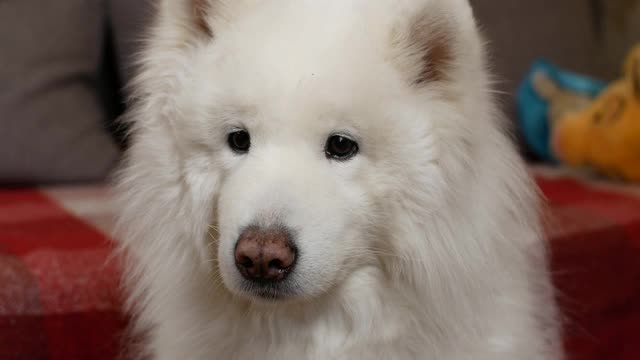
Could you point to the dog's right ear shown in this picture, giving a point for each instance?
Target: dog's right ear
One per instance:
(195, 16)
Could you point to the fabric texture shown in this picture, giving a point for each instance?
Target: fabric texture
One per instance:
(51, 117)
(61, 298)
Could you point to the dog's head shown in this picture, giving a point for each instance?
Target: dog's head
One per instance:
(303, 128)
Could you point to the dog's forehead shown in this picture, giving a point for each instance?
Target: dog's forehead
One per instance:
(306, 65)
(307, 61)
(307, 40)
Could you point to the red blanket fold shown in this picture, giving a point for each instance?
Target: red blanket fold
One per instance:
(59, 295)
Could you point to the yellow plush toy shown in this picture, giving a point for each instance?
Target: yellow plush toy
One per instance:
(606, 135)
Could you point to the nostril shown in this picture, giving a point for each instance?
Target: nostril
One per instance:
(276, 264)
(245, 262)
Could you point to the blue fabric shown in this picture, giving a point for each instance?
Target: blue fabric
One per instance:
(533, 109)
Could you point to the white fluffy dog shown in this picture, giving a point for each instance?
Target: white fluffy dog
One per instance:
(329, 179)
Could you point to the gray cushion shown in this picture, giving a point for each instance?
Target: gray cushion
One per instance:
(564, 32)
(521, 31)
(51, 119)
(130, 20)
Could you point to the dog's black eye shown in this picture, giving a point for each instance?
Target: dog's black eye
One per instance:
(239, 141)
(340, 147)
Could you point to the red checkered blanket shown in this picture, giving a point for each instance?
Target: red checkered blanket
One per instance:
(60, 295)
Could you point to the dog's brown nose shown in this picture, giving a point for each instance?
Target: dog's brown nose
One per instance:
(265, 254)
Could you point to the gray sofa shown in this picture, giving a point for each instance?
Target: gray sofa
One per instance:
(586, 36)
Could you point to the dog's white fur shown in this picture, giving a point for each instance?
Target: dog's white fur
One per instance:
(426, 245)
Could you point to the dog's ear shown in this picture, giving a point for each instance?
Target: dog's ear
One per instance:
(201, 10)
(426, 41)
(193, 16)
(433, 37)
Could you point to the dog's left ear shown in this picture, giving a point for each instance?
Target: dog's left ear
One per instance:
(201, 10)
(426, 42)
(434, 38)
(190, 18)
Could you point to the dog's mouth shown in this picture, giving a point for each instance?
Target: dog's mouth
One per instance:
(269, 292)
